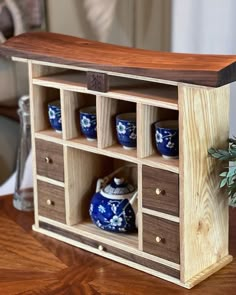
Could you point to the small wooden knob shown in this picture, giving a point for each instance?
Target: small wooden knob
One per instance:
(160, 191)
(100, 248)
(49, 202)
(48, 160)
(158, 239)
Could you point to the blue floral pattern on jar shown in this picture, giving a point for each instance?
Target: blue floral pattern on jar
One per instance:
(112, 215)
(88, 124)
(54, 115)
(167, 138)
(126, 133)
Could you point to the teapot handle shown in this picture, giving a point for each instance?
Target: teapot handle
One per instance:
(107, 178)
(99, 184)
(134, 197)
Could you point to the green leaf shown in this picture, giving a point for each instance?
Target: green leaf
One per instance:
(223, 152)
(230, 180)
(223, 174)
(232, 201)
(223, 182)
(211, 151)
(231, 172)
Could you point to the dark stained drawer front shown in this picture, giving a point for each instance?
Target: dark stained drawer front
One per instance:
(51, 201)
(161, 238)
(49, 159)
(161, 190)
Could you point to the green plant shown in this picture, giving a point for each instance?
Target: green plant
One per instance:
(229, 175)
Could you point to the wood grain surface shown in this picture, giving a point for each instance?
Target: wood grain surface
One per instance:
(134, 90)
(31, 264)
(97, 81)
(168, 232)
(203, 123)
(167, 201)
(110, 249)
(209, 70)
(53, 153)
(55, 194)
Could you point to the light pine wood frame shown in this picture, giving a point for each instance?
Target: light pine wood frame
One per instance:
(203, 122)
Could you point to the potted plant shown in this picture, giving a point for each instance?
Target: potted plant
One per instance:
(229, 174)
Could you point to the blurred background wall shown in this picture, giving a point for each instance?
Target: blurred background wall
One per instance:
(137, 23)
(206, 26)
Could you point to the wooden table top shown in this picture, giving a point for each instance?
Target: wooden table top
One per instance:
(201, 69)
(31, 263)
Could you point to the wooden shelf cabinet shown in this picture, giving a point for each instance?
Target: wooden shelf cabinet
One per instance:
(182, 233)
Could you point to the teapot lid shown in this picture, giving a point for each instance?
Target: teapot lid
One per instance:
(118, 186)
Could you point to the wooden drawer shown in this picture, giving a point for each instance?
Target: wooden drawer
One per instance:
(49, 159)
(51, 201)
(110, 249)
(161, 190)
(161, 238)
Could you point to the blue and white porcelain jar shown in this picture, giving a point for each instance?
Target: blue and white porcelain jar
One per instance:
(114, 208)
(167, 138)
(126, 130)
(88, 122)
(54, 115)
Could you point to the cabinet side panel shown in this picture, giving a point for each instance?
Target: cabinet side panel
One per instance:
(33, 113)
(203, 123)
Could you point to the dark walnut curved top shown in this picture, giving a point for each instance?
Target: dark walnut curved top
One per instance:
(208, 70)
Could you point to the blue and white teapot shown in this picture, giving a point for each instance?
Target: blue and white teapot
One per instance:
(114, 205)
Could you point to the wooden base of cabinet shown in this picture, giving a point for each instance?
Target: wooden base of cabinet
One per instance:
(140, 263)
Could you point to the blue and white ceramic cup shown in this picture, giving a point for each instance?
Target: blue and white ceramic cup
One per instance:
(54, 115)
(167, 138)
(88, 122)
(126, 130)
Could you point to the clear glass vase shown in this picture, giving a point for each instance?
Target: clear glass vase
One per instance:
(23, 195)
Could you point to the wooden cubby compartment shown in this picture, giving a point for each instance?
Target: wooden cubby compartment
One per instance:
(83, 170)
(72, 103)
(107, 110)
(42, 96)
(148, 115)
(130, 89)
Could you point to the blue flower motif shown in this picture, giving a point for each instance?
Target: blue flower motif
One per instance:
(159, 136)
(113, 208)
(116, 220)
(121, 128)
(85, 122)
(170, 145)
(101, 209)
(133, 136)
(51, 114)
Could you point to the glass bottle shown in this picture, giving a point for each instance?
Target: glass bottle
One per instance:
(23, 195)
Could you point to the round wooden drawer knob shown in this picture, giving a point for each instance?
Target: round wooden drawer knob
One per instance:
(48, 160)
(160, 191)
(100, 248)
(158, 239)
(50, 202)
